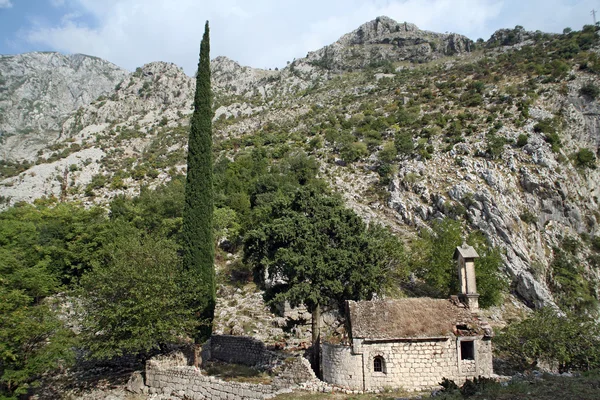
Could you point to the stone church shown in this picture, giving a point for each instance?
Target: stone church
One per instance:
(413, 343)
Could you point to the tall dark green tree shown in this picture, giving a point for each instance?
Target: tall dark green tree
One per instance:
(197, 233)
(319, 252)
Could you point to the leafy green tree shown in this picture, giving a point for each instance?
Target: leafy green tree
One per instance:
(33, 341)
(197, 233)
(317, 251)
(131, 301)
(432, 259)
(567, 341)
(432, 256)
(491, 284)
(59, 239)
(569, 283)
(158, 211)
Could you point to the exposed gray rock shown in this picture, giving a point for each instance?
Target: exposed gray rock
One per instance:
(136, 383)
(39, 90)
(385, 40)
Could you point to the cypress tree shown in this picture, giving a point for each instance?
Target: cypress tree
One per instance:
(197, 232)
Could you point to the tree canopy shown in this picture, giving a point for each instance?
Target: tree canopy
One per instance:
(131, 302)
(432, 260)
(316, 250)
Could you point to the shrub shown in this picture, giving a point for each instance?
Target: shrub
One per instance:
(404, 142)
(522, 140)
(596, 243)
(528, 217)
(388, 153)
(471, 99)
(544, 126)
(590, 90)
(585, 158)
(354, 151)
(495, 145)
(563, 340)
(568, 281)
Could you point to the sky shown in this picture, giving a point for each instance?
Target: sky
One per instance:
(257, 33)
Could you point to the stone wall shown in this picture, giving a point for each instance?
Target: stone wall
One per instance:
(172, 374)
(409, 364)
(484, 357)
(341, 367)
(241, 350)
(189, 381)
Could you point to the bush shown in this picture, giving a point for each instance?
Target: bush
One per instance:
(585, 158)
(522, 140)
(495, 145)
(471, 99)
(544, 126)
(566, 341)
(353, 152)
(590, 90)
(568, 281)
(388, 153)
(528, 217)
(404, 143)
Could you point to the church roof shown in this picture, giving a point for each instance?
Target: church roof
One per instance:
(413, 318)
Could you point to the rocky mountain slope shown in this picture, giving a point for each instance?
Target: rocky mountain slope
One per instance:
(409, 126)
(39, 90)
(384, 40)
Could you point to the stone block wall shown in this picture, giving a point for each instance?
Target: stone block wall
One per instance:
(293, 371)
(484, 357)
(241, 350)
(172, 374)
(408, 364)
(341, 367)
(189, 381)
(413, 365)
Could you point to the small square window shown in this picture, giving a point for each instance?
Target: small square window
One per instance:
(467, 350)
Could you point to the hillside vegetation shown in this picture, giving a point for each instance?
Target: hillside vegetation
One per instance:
(424, 146)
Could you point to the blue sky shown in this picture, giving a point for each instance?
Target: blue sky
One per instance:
(258, 33)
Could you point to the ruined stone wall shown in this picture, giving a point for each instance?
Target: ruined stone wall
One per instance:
(341, 367)
(188, 381)
(484, 357)
(241, 350)
(409, 364)
(172, 373)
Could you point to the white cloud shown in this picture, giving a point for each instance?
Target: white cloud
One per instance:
(5, 4)
(267, 33)
(57, 3)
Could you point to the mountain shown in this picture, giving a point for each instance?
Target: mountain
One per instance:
(409, 126)
(383, 41)
(38, 91)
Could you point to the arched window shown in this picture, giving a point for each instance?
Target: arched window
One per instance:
(378, 364)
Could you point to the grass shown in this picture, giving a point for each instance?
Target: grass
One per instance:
(237, 373)
(545, 387)
(340, 396)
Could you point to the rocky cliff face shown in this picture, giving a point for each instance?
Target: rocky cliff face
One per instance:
(384, 40)
(477, 149)
(38, 91)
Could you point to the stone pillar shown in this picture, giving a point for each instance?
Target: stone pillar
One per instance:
(466, 255)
